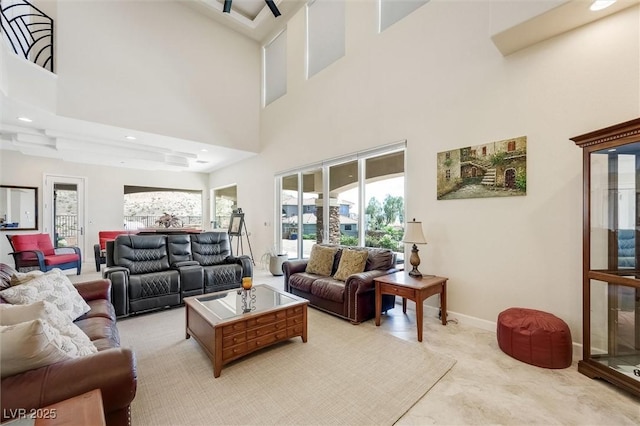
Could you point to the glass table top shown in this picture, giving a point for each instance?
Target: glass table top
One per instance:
(229, 304)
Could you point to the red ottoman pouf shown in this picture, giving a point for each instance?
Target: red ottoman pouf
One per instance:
(535, 337)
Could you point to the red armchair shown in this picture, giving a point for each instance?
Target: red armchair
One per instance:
(36, 250)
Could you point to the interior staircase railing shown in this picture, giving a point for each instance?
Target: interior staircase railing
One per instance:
(29, 32)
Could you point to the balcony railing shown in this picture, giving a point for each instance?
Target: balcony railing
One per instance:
(137, 222)
(67, 226)
(66, 233)
(29, 32)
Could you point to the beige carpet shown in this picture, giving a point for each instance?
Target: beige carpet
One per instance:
(345, 374)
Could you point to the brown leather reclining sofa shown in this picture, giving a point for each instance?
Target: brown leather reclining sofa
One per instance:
(352, 299)
(112, 369)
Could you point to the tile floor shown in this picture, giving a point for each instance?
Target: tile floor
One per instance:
(488, 387)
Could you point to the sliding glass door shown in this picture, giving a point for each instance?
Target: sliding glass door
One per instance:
(289, 215)
(384, 201)
(344, 202)
(312, 223)
(357, 200)
(301, 221)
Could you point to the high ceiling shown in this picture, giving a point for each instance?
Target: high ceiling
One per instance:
(49, 135)
(249, 17)
(53, 136)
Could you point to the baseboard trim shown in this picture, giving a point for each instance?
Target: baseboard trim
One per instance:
(433, 311)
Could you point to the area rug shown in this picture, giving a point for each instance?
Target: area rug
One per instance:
(344, 375)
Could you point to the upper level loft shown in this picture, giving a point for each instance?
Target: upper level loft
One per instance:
(29, 32)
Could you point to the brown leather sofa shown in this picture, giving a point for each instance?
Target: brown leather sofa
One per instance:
(112, 369)
(352, 299)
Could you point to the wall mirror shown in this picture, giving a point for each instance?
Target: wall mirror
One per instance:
(18, 208)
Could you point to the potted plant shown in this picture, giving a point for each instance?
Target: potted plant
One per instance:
(168, 220)
(274, 261)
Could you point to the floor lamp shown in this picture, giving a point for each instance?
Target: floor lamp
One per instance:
(413, 235)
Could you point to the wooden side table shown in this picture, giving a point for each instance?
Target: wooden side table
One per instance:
(416, 289)
(85, 409)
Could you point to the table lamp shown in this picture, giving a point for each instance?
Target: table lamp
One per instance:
(413, 235)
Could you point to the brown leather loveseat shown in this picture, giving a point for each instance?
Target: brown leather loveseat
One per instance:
(353, 298)
(112, 369)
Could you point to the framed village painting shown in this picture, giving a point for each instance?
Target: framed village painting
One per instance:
(494, 169)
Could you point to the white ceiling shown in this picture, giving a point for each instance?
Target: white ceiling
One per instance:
(53, 136)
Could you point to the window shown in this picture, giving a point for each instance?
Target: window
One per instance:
(391, 11)
(384, 201)
(300, 192)
(448, 174)
(511, 146)
(344, 202)
(225, 200)
(289, 207)
(325, 34)
(356, 200)
(275, 68)
(144, 206)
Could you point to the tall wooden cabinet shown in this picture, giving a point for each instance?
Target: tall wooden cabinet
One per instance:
(611, 261)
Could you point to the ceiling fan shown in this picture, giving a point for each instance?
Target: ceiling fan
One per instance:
(274, 9)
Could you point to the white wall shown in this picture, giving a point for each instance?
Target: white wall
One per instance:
(158, 67)
(436, 80)
(105, 189)
(26, 82)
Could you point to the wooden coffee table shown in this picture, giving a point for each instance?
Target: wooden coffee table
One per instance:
(231, 324)
(416, 289)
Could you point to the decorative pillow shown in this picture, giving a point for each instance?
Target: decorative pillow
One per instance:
(73, 341)
(320, 260)
(53, 287)
(351, 262)
(5, 276)
(29, 345)
(24, 277)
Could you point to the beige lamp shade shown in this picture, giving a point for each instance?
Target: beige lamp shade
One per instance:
(413, 233)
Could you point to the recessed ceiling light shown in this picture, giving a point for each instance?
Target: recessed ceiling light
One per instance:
(131, 138)
(25, 119)
(204, 150)
(612, 150)
(601, 4)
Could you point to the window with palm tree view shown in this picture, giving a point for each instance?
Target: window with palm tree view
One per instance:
(354, 201)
